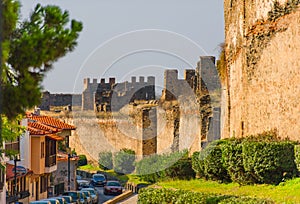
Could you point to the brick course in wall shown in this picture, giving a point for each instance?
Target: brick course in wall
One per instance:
(262, 56)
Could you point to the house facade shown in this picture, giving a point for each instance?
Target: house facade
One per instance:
(38, 158)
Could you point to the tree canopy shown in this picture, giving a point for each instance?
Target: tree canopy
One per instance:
(29, 49)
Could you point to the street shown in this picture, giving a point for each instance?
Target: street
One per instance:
(101, 197)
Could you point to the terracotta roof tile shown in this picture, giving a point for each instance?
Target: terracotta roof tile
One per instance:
(41, 126)
(53, 122)
(35, 131)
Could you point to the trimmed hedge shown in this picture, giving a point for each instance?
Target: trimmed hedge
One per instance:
(213, 164)
(209, 163)
(232, 159)
(269, 162)
(163, 195)
(297, 157)
(167, 166)
(106, 160)
(263, 158)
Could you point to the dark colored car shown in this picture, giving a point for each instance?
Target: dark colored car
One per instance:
(98, 180)
(113, 188)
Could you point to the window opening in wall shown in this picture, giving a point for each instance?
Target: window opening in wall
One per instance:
(42, 150)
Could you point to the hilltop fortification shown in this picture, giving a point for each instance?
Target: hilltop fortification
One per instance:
(261, 85)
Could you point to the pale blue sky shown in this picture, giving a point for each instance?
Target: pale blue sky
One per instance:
(124, 38)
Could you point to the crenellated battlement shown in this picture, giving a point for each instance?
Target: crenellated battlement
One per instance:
(105, 96)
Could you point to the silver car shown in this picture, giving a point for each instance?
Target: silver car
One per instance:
(93, 193)
(88, 196)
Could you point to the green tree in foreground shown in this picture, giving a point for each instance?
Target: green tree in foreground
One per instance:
(28, 51)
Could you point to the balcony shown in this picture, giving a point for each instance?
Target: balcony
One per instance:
(50, 164)
(23, 194)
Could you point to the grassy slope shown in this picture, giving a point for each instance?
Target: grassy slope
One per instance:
(287, 192)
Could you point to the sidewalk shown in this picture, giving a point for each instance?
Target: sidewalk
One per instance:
(131, 200)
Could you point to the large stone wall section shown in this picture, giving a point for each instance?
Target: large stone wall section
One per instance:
(268, 97)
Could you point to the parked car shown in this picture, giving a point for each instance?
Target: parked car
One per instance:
(82, 184)
(75, 196)
(88, 196)
(40, 202)
(112, 187)
(98, 180)
(60, 199)
(78, 177)
(93, 193)
(68, 199)
(83, 198)
(52, 200)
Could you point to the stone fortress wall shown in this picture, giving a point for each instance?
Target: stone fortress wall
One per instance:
(183, 118)
(261, 90)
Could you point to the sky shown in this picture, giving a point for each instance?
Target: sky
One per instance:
(124, 38)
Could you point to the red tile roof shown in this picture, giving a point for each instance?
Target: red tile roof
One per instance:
(41, 126)
(34, 131)
(53, 122)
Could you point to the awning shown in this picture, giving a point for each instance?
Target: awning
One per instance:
(55, 137)
(21, 171)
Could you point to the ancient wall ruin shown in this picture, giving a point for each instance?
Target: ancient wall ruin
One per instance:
(128, 115)
(59, 100)
(262, 55)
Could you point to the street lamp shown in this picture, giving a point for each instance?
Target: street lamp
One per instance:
(16, 159)
(69, 156)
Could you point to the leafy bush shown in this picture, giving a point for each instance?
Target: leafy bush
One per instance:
(123, 162)
(297, 156)
(213, 163)
(162, 195)
(160, 167)
(82, 160)
(182, 169)
(106, 160)
(232, 156)
(245, 200)
(269, 162)
(198, 164)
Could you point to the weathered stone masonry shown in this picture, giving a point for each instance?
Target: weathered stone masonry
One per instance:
(262, 54)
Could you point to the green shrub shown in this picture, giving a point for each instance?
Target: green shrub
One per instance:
(245, 200)
(166, 166)
(162, 195)
(123, 162)
(106, 160)
(297, 156)
(213, 163)
(269, 162)
(82, 160)
(182, 169)
(198, 164)
(232, 157)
